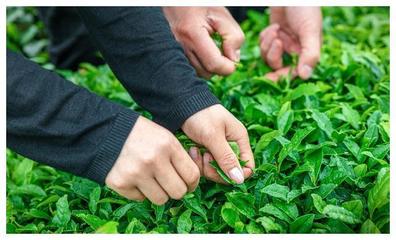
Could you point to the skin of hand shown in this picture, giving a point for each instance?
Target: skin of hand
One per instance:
(213, 127)
(154, 165)
(292, 30)
(193, 27)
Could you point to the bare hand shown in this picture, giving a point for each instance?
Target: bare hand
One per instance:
(213, 127)
(193, 27)
(292, 30)
(152, 164)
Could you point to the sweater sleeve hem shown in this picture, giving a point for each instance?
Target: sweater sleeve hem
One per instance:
(187, 107)
(112, 146)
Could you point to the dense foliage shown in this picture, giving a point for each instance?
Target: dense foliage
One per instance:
(321, 146)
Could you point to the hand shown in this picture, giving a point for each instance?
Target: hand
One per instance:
(152, 164)
(193, 27)
(292, 30)
(213, 127)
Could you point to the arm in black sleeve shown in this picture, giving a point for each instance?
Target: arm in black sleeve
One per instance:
(139, 46)
(55, 122)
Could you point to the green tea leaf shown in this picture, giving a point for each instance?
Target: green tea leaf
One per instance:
(62, 214)
(277, 191)
(184, 223)
(379, 194)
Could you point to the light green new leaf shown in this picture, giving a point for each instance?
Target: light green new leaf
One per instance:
(184, 223)
(63, 214)
(109, 227)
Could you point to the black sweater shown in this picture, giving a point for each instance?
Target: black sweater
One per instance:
(55, 122)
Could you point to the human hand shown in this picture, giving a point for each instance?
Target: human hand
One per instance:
(213, 127)
(152, 164)
(193, 27)
(292, 30)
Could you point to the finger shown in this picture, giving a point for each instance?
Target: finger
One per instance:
(226, 158)
(133, 194)
(153, 191)
(267, 36)
(196, 157)
(197, 65)
(209, 55)
(247, 172)
(290, 44)
(241, 137)
(231, 34)
(274, 55)
(185, 167)
(170, 181)
(208, 171)
(310, 53)
(283, 72)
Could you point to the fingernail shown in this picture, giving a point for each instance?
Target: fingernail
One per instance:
(193, 153)
(236, 175)
(238, 55)
(307, 71)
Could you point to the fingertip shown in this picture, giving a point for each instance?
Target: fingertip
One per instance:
(247, 172)
(305, 71)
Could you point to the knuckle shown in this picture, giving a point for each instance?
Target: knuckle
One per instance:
(139, 198)
(240, 37)
(117, 184)
(148, 160)
(212, 65)
(160, 200)
(180, 193)
(184, 29)
(193, 177)
(228, 160)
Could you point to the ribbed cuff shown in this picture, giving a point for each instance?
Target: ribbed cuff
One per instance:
(187, 107)
(112, 146)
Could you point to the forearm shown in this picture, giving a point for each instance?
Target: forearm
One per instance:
(141, 50)
(55, 122)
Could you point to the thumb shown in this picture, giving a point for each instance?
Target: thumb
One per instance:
(310, 53)
(226, 158)
(232, 35)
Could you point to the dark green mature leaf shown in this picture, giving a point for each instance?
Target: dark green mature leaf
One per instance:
(94, 197)
(340, 213)
(323, 122)
(302, 224)
(294, 142)
(93, 221)
(265, 140)
(369, 227)
(379, 194)
(135, 226)
(192, 203)
(229, 214)
(277, 191)
(351, 115)
(302, 89)
(243, 202)
(29, 189)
